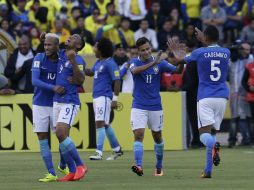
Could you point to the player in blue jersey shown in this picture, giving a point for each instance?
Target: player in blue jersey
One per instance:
(43, 78)
(146, 105)
(105, 72)
(69, 75)
(213, 64)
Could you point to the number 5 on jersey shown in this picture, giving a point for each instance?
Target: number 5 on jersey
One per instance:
(214, 67)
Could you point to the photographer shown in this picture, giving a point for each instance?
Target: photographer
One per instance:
(240, 111)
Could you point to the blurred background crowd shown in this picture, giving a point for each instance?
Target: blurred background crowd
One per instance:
(124, 21)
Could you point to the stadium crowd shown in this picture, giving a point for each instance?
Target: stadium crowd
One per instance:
(123, 22)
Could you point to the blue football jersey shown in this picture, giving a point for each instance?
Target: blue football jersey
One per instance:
(105, 72)
(44, 78)
(64, 71)
(213, 65)
(146, 92)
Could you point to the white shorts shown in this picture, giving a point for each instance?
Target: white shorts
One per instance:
(64, 113)
(102, 109)
(42, 119)
(142, 118)
(211, 112)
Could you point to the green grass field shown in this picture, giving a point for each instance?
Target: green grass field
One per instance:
(182, 171)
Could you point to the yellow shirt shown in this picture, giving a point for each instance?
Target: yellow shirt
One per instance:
(112, 34)
(87, 50)
(63, 36)
(129, 37)
(192, 7)
(115, 20)
(73, 23)
(41, 26)
(91, 26)
(53, 6)
(102, 7)
(135, 7)
(35, 43)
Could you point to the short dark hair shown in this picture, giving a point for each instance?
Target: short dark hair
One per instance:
(141, 41)
(82, 42)
(212, 33)
(105, 47)
(109, 4)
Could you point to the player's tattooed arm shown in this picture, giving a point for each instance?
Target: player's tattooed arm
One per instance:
(89, 72)
(78, 76)
(140, 69)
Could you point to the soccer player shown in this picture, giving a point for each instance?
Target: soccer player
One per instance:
(69, 75)
(105, 72)
(213, 64)
(44, 70)
(146, 105)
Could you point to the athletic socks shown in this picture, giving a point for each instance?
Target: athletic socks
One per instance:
(101, 133)
(138, 152)
(62, 161)
(112, 138)
(67, 157)
(158, 148)
(47, 156)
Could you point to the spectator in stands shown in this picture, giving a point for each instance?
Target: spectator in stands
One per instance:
(233, 24)
(87, 7)
(112, 16)
(14, 67)
(5, 25)
(20, 14)
(240, 111)
(214, 15)
(34, 37)
(166, 32)
(81, 29)
(167, 5)
(92, 22)
(189, 38)
(75, 13)
(136, 11)
(120, 54)
(190, 10)
(101, 4)
(4, 11)
(247, 34)
(149, 33)
(5, 87)
(175, 19)
(59, 29)
(126, 35)
(120, 5)
(155, 17)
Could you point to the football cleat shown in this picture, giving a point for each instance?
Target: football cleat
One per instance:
(96, 156)
(216, 154)
(115, 155)
(206, 175)
(80, 172)
(68, 177)
(137, 170)
(65, 171)
(158, 172)
(48, 178)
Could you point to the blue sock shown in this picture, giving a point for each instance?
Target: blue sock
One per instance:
(62, 161)
(47, 156)
(209, 142)
(101, 133)
(67, 157)
(158, 148)
(214, 138)
(70, 146)
(111, 137)
(138, 152)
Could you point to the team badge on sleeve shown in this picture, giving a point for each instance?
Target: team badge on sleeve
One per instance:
(116, 73)
(37, 64)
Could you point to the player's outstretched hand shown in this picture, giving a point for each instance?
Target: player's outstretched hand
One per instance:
(70, 54)
(199, 35)
(59, 89)
(158, 57)
(114, 105)
(43, 36)
(178, 49)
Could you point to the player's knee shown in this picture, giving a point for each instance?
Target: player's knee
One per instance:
(139, 136)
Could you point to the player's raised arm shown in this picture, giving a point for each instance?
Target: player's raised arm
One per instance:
(78, 74)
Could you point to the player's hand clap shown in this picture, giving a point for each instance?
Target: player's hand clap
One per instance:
(70, 54)
(114, 105)
(59, 89)
(158, 57)
(178, 49)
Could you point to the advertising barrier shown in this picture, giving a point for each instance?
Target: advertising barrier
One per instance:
(16, 127)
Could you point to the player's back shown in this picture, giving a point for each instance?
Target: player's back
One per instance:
(64, 71)
(213, 66)
(47, 69)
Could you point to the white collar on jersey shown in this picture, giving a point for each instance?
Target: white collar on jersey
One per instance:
(213, 45)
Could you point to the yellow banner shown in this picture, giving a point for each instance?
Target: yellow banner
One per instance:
(16, 129)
